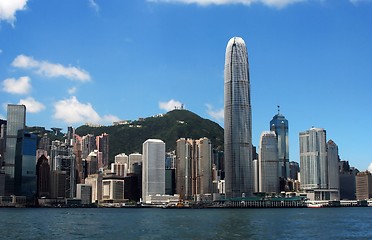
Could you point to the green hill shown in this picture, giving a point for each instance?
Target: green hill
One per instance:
(169, 127)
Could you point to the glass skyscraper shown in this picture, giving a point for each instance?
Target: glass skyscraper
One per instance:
(279, 125)
(268, 164)
(16, 120)
(237, 121)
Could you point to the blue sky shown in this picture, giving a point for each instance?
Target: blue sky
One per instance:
(77, 61)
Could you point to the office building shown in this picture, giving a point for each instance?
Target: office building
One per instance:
(153, 169)
(333, 165)
(294, 170)
(268, 164)
(184, 155)
(102, 142)
(112, 188)
(63, 168)
(25, 165)
(237, 121)
(84, 192)
(135, 163)
(88, 145)
(347, 181)
(315, 173)
(363, 185)
(95, 181)
(16, 120)
(279, 125)
(43, 177)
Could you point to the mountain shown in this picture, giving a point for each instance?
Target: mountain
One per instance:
(169, 127)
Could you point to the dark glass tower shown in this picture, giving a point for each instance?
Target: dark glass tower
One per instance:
(279, 125)
(16, 117)
(238, 121)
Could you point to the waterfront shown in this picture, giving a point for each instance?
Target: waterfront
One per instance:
(153, 223)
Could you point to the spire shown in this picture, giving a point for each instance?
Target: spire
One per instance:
(278, 109)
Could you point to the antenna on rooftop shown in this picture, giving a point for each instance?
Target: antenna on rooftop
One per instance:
(278, 109)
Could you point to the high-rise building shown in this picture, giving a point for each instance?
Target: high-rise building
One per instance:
(333, 165)
(279, 124)
(153, 168)
(95, 181)
(102, 142)
(63, 170)
(16, 120)
(43, 177)
(294, 169)
(88, 145)
(184, 155)
(25, 165)
(84, 192)
(363, 186)
(268, 163)
(203, 167)
(2, 141)
(347, 180)
(237, 121)
(316, 176)
(313, 159)
(135, 163)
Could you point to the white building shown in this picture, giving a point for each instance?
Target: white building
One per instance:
(113, 188)
(153, 169)
(268, 164)
(95, 180)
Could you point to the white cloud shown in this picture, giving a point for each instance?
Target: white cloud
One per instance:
(1, 51)
(32, 106)
(170, 105)
(72, 111)
(8, 9)
(356, 2)
(270, 3)
(72, 90)
(51, 70)
(17, 86)
(217, 115)
(93, 4)
(370, 167)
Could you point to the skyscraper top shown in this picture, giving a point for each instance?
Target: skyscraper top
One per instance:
(235, 40)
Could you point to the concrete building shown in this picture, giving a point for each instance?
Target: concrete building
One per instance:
(95, 180)
(153, 169)
(84, 192)
(88, 145)
(113, 189)
(363, 185)
(268, 164)
(333, 165)
(103, 147)
(237, 121)
(135, 161)
(43, 177)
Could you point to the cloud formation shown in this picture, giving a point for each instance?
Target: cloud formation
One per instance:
(370, 167)
(32, 106)
(8, 9)
(217, 115)
(270, 3)
(51, 70)
(72, 111)
(72, 90)
(21, 85)
(170, 105)
(356, 2)
(93, 4)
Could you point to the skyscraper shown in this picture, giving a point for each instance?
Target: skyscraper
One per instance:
(153, 168)
(313, 159)
(268, 163)
(280, 126)
(238, 121)
(16, 120)
(333, 165)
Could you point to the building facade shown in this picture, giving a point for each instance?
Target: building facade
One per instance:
(279, 125)
(363, 185)
(153, 169)
(16, 120)
(268, 163)
(237, 121)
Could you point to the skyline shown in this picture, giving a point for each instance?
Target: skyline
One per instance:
(115, 60)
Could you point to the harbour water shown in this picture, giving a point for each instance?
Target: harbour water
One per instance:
(155, 223)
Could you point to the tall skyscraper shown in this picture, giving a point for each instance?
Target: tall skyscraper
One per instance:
(25, 165)
(333, 165)
(16, 120)
(153, 168)
(102, 142)
(268, 163)
(238, 121)
(313, 159)
(280, 126)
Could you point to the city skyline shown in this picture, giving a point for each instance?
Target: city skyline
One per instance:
(310, 57)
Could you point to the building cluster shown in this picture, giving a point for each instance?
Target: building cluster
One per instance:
(78, 170)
